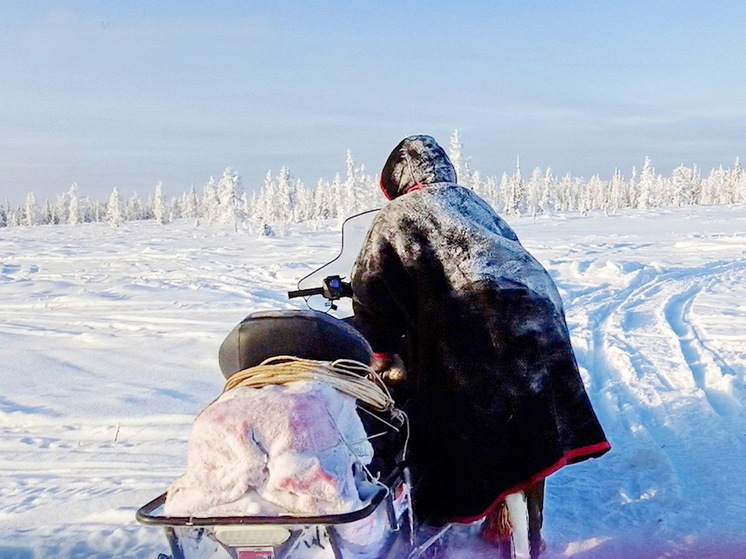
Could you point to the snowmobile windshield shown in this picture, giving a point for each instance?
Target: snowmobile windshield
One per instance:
(354, 230)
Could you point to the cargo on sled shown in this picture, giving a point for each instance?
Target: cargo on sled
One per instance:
(281, 438)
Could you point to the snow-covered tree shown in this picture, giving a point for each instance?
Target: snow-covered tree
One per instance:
(513, 192)
(210, 201)
(593, 196)
(322, 203)
(617, 192)
(351, 189)
(114, 209)
(372, 193)
(684, 186)
(633, 189)
(31, 210)
(535, 193)
(49, 215)
(492, 192)
(739, 183)
(565, 197)
(335, 197)
(546, 203)
(459, 161)
(263, 205)
(160, 211)
(506, 193)
(286, 197)
(61, 208)
(475, 183)
(73, 205)
(230, 208)
(713, 186)
(133, 208)
(246, 206)
(646, 187)
(190, 204)
(94, 213)
(728, 193)
(174, 209)
(304, 198)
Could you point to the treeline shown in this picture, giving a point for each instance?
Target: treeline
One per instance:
(284, 200)
(281, 200)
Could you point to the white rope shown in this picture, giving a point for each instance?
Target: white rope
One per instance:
(346, 375)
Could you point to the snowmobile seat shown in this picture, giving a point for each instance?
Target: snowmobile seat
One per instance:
(301, 333)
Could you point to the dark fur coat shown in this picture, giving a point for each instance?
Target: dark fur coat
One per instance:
(493, 391)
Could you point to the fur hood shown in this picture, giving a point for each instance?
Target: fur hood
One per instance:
(416, 162)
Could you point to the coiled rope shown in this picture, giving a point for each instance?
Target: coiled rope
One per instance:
(346, 375)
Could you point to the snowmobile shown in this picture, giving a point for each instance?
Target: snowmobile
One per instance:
(382, 529)
(385, 527)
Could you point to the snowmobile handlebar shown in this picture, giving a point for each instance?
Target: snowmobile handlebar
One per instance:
(333, 288)
(305, 292)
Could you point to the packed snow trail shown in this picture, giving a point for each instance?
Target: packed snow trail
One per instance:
(668, 383)
(109, 338)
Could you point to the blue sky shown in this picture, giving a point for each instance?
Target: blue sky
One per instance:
(130, 93)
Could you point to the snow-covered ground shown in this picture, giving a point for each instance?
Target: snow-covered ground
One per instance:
(109, 340)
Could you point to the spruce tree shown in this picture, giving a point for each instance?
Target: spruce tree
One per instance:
(159, 205)
(73, 205)
(460, 163)
(230, 209)
(31, 211)
(114, 209)
(191, 204)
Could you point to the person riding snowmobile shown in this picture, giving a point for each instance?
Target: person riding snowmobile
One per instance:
(495, 399)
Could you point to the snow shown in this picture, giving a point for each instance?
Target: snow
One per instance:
(109, 340)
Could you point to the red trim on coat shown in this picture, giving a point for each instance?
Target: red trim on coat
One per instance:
(380, 185)
(407, 191)
(382, 355)
(414, 187)
(570, 457)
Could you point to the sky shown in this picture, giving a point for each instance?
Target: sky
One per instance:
(127, 94)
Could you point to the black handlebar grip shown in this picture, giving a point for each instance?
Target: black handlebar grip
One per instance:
(347, 289)
(306, 292)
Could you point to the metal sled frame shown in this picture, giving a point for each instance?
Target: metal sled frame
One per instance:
(173, 525)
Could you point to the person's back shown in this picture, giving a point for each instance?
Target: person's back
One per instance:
(497, 403)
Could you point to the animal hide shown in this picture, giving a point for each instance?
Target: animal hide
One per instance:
(279, 449)
(493, 391)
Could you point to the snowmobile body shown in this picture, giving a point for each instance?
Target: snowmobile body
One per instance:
(385, 527)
